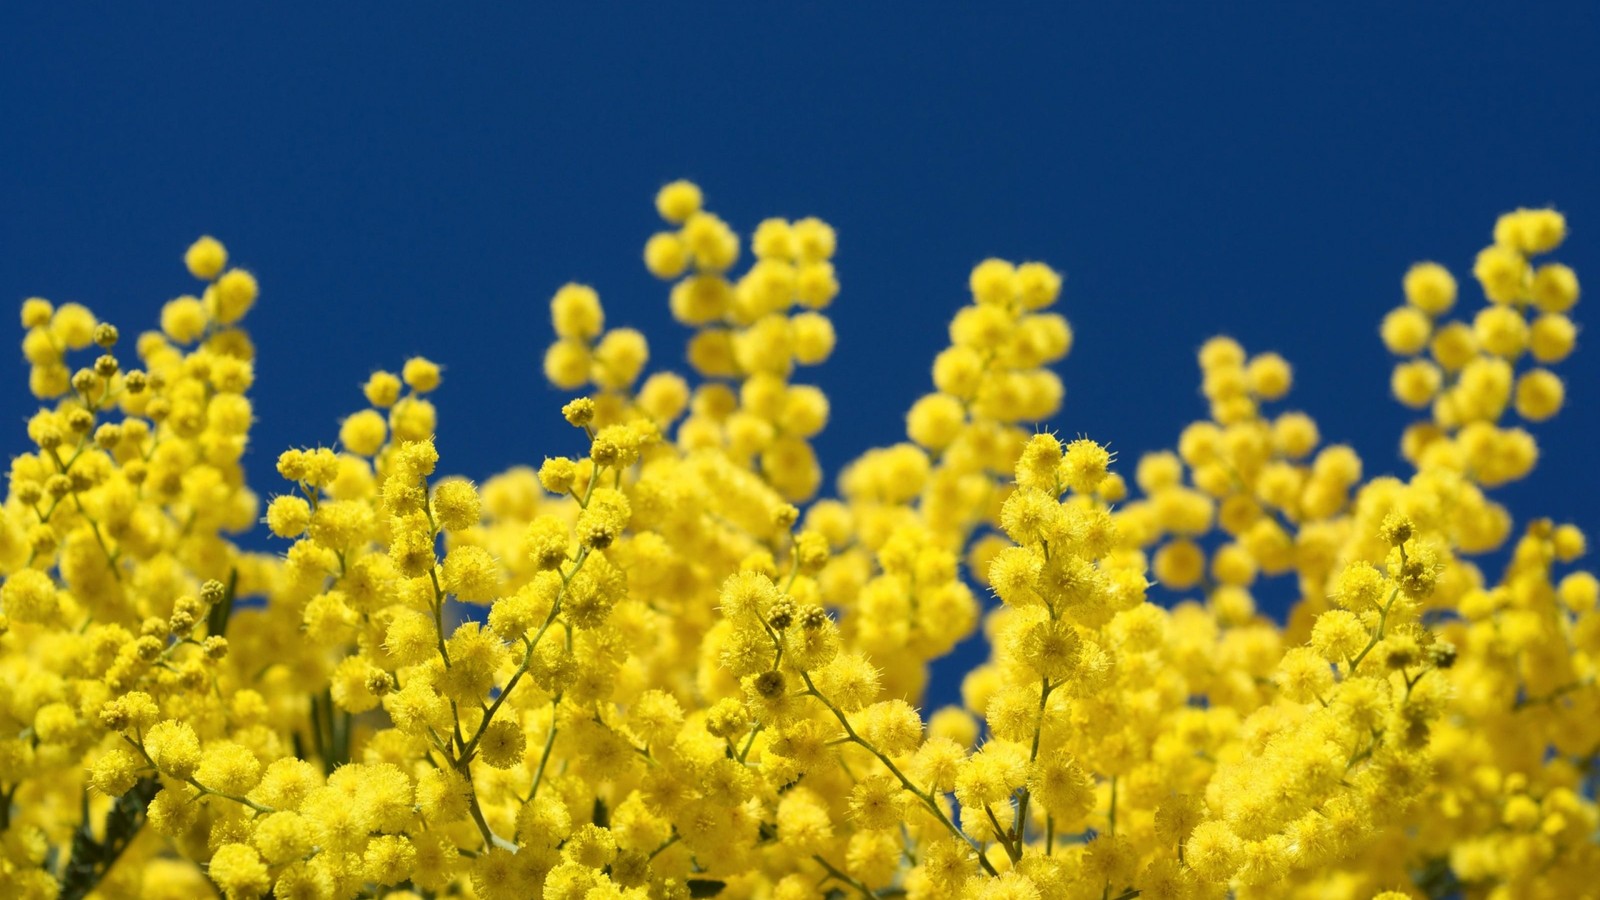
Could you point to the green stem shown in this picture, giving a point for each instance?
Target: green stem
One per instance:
(204, 791)
(544, 758)
(664, 845)
(1113, 812)
(926, 798)
(111, 558)
(438, 614)
(490, 839)
(750, 741)
(860, 888)
(1012, 850)
(488, 715)
(1019, 828)
(1377, 635)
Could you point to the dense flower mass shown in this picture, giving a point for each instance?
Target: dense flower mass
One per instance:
(654, 665)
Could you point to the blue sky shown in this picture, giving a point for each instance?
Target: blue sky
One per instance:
(406, 181)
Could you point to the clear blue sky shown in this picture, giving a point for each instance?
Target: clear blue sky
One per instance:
(420, 182)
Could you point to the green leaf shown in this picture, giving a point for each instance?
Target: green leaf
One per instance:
(91, 859)
(217, 617)
(705, 887)
(330, 731)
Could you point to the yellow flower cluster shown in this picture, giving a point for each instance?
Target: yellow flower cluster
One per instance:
(641, 670)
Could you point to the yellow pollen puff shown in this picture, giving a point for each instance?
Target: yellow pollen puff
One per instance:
(1501, 330)
(1453, 346)
(1579, 592)
(1295, 434)
(678, 200)
(1220, 353)
(700, 299)
(665, 256)
(471, 574)
(1179, 564)
(663, 396)
(1405, 330)
(579, 411)
(456, 504)
(805, 411)
(1531, 231)
(1158, 470)
(502, 745)
(1415, 382)
(1037, 285)
(36, 312)
(576, 314)
(1041, 339)
(1039, 467)
(1114, 489)
(1430, 287)
(1568, 543)
(619, 358)
(232, 296)
(421, 375)
(228, 767)
(73, 324)
(814, 240)
(115, 773)
(412, 419)
(557, 474)
(815, 284)
(711, 354)
(958, 371)
(935, 420)
(993, 282)
(767, 288)
(1554, 288)
(812, 337)
(1084, 465)
(29, 596)
(710, 241)
(184, 319)
(1552, 337)
(982, 328)
(1540, 395)
(364, 432)
(205, 258)
(1502, 272)
(288, 516)
(174, 748)
(1339, 464)
(773, 239)
(239, 871)
(1232, 564)
(382, 389)
(567, 363)
(1270, 376)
